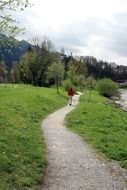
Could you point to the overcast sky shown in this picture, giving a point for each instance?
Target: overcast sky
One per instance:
(84, 27)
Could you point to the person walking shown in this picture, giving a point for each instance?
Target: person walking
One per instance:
(70, 95)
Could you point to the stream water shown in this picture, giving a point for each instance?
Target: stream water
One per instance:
(122, 102)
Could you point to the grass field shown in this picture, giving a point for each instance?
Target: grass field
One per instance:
(102, 125)
(22, 148)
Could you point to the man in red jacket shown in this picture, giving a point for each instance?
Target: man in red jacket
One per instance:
(70, 94)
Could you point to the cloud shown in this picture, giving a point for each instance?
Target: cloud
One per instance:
(84, 27)
(118, 35)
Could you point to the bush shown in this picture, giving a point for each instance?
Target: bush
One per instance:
(66, 84)
(90, 82)
(107, 87)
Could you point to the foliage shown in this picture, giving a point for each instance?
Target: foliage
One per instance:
(107, 87)
(24, 71)
(34, 66)
(103, 69)
(15, 77)
(90, 82)
(3, 72)
(67, 84)
(102, 125)
(81, 68)
(8, 25)
(76, 73)
(11, 50)
(72, 73)
(81, 81)
(56, 71)
(22, 146)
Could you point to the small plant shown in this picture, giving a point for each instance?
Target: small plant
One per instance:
(66, 84)
(90, 84)
(107, 88)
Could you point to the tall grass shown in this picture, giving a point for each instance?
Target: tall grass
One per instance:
(102, 125)
(22, 147)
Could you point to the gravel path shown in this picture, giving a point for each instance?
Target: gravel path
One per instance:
(71, 163)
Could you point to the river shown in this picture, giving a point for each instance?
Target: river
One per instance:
(122, 102)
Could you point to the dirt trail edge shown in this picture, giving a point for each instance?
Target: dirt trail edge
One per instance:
(71, 163)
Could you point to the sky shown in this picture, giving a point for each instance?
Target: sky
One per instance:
(84, 27)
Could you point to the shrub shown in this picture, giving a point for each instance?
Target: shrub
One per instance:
(107, 87)
(90, 82)
(66, 84)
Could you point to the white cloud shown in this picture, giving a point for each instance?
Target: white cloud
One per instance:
(92, 27)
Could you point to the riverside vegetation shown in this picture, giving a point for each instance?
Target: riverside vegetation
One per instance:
(22, 147)
(102, 125)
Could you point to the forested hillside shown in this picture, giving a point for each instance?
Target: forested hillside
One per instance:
(11, 50)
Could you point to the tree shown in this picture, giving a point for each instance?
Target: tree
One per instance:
(81, 81)
(15, 72)
(3, 72)
(90, 82)
(107, 87)
(81, 68)
(72, 73)
(56, 71)
(8, 25)
(42, 44)
(24, 71)
(34, 64)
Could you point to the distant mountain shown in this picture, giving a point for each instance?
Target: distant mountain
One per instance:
(12, 50)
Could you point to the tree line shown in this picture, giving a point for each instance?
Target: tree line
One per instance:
(41, 65)
(103, 69)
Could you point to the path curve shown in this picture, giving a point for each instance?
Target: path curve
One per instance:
(71, 164)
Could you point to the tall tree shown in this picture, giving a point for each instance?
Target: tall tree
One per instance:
(15, 72)
(24, 71)
(3, 72)
(90, 82)
(56, 71)
(35, 64)
(81, 81)
(72, 73)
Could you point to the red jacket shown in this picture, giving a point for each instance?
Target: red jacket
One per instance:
(70, 92)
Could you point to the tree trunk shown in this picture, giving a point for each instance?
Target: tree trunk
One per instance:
(57, 85)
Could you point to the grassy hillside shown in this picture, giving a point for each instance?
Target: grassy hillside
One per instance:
(102, 125)
(22, 148)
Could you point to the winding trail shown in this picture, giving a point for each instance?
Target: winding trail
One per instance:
(71, 163)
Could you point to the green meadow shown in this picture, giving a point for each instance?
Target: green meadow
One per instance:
(102, 125)
(22, 147)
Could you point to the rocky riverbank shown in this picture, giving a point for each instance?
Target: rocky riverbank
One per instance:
(122, 102)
